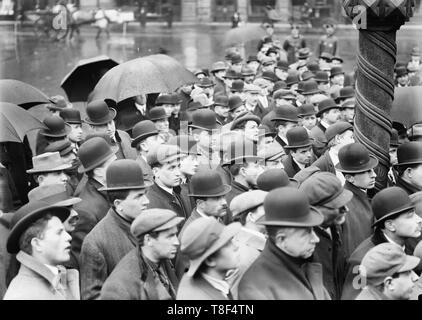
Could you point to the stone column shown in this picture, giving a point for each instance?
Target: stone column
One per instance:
(377, 24)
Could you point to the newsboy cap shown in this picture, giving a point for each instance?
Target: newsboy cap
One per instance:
(163, 153)
(247, 201)
(64, 147)
(336, 129)
(154, 220)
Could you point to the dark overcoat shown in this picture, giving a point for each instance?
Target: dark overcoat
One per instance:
(159, 198)
(197, 288)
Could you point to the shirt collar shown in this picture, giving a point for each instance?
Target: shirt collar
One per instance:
(53, 269)
(218, 284)
(324, 124)
(391, 241)
(141, 108)
(166, 189)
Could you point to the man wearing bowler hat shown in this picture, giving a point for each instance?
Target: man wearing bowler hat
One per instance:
(283, 271)
(42, 246)
(171, 103)
(285, 117)
(325, 193)
(108, 242)
(396, 222)
(73, 118)
(100, 117)
(307, 116)
(409, 166)
(221, 108)
(275, 178)
(218, 71)
(56, 130)
(236, 107)
(212, 254)
(337, 81)
(300, 151)
(160, 118)
(146, 272)
(252, 102)
(95, 156)
(144, 139)
(357, 166)
(389, 273)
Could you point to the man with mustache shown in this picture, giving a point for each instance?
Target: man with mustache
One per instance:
(110, 239)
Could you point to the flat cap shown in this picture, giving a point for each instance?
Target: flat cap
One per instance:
(337, 128)
(247, 201)
(163, 153)
(154, 220)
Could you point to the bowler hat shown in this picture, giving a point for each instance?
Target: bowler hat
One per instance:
(313, 67)
(292, 79)
(163, 153)
(337, 58)
(306, 110)
(204, 119)
(99, 113)
(64, 147)
(345, 93)
(53, 194)
(321, 76)
(208, 183)
(325, 189)
(164, 99)
(218, 66)
(154, 220)
(195, 105)
(236, 58)
(279, 85)
(394, 140)
(297, 137)
(70, 115)
(283, 65)
(336, 71)
(59, 103)
(231, 74)
(114, 147)
(56, 127)
(275, 178)
(246, 72)
(203, 237)
(92, 153)
(289, 207)
(326, 56)
(285, 113)
(304, 53)
(301, 64)
(310, 87)
(251, 88)
(270, 76)
(252, 58)
(267, 61)
(26, 216)
(386, 260)
(186, 143)
(326, 105)
(143, 130)
(247, 202)
(307, 75)
(409, 153)
(284, 94)
(158, 113)
(48, 162)
(389, 203)
(337, 128)
(348, 104)
(205, 83)
(415, 131)
(124, 174)
(235, 102)
(237, 86)
(355, 158)
(240, 151)
(244, 117)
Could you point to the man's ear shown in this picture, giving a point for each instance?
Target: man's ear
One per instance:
(389, 225)
(155, 171)
(117, 202)
(210, 262)
(349, 178)
(389, 283)
(35, 243)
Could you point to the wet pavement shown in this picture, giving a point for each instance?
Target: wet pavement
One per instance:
(43, 63)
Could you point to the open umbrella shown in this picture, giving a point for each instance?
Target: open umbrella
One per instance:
(150, 74)
(15, 122)
(21, 93)
(83, 78)
(407, 105)
(244, 34)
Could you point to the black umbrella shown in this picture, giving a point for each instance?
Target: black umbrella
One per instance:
(21, 93)
(83, 78)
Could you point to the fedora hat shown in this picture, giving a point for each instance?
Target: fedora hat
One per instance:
(240, 150)
(204, 119)
(306, 110)
(64, 147)
(92, 153)
(48, 162)
(231, 74)
(143, 130)
(56, 127)
(124, 174)
(164, 153)
(336, 71)
(157, 113)
(70, 115)
(98, 112)
(325, 189)
(409, 153)
(208, 183)
(285, 113)
(292, 79)
(304, 53)
(389, 203)
(310, 87)
(345, 93)
(275, 178)
(337, 128)
(53, 194)
(26, 216)
(237, 86)
(203, 237)
(325, 105)
(154, 220)
(247, 202)
(205, 83)
(355, 158)
(221, 100)
(218, 66)
(272, 152)
(289, 207)
(186, 143)
(297, 137)
(321, 76)
(244, 117)
(270, 76)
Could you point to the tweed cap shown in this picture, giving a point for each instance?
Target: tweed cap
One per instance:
(337, 128)
(154, 220)
(163, 154)
(247, 201)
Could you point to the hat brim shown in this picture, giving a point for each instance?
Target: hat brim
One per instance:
(170, 224)
(226, 235)
(299, 146)
(319, 113)
(226, 189)
(146, 184)
(111, 115)
(394, 213)
(336, 74)
(307, 114)
(82, 169)
(411, 263)
(204, 128)
(373, 162)
(231, 161)
(417, 161)
(285, 119)
(68, 202)
(19, 228)
(141, 137)
(311, 92)
(341, 200)
(67, 130)
(245, 119)
(313, 219)
(59, 168)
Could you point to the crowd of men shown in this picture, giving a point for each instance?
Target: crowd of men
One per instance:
(247, 184)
